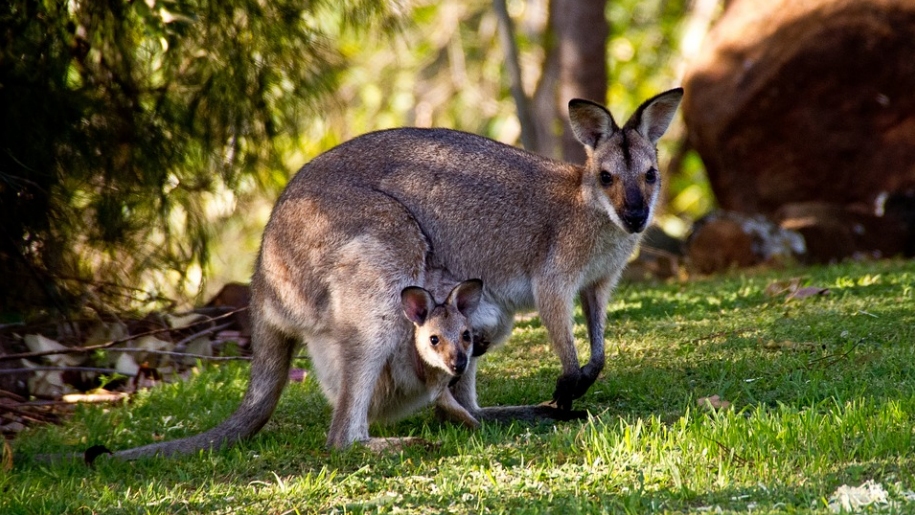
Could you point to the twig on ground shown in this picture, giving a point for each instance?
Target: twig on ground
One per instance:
(35, 417)
(111, 343)
(215, 329)
(730, 452)
(11, 395)
(831, 359)
(735, 332)
(60, 369)
(184, 354)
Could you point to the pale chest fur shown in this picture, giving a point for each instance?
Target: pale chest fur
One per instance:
(400, 391)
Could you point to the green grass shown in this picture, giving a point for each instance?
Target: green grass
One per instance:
(822, 392)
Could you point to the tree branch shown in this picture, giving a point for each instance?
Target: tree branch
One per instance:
(111, 343)
(513, 67)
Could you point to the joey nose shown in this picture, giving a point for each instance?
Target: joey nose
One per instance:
(460, 363)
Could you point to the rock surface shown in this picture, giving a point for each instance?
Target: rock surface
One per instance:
(794, 101)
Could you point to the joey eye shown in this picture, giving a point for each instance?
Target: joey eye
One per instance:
(466, 336)
(434, 340)
(651, 176)
(605, 178)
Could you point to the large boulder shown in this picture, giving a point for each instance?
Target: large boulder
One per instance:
(795, 101)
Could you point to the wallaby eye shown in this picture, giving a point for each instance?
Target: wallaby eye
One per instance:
(466, 336)
(605, 178)
(434, 340)
(651, 176)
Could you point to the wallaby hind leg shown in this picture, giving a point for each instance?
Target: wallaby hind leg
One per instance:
(350, 420)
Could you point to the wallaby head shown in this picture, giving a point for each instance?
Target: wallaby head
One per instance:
(622, 167)
(443, 335)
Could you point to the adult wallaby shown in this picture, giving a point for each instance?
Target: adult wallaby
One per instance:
(372, 216)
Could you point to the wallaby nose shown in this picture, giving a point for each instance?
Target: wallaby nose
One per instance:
(635, 219)
(460, 363)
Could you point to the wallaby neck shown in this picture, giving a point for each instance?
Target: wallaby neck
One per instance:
(419, 367)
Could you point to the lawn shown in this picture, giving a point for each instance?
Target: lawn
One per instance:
(815, 395)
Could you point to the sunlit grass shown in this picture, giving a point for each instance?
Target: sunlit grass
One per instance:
(822, 394)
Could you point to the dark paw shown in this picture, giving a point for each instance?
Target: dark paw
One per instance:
(480, 345)
(94, 452)
(572, 386)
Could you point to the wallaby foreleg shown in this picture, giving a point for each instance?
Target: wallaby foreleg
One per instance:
(594, 305)
(556, 314)
(464, 390)
(451, 409)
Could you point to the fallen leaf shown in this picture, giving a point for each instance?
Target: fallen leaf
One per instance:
(779, 288)
(150, 342)
(713, 402)
(792, 289)
(297, 375)
(809, 291)
(39, 343)
(97, 395)
(126, 365)
(183, 321)
(47, 384)
(851, 499)
(105, 332)
(199, 347)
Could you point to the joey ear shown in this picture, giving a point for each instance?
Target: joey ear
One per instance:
(653, 117)
(417, 304)
(590, 121)
(466, 296)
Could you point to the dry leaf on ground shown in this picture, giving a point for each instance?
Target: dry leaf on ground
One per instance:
(809, 291)
(779, 288)
(792, 289)
(713, 402)
(852, 499)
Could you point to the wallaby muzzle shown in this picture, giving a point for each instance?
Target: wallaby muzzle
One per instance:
(634, 219)
(459, 364)
(634, 214)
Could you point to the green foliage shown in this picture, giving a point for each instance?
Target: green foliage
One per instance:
(823, 393)
(128, 128)
(133, 130)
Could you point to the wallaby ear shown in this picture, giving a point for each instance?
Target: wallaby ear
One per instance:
(417, 304)
(653, 117)
(590, 121)
(466, 296)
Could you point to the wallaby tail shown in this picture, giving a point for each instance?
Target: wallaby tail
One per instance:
(269, 375)
(532, 413)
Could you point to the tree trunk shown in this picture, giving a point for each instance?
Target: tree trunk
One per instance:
(581, 30)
